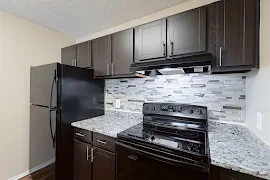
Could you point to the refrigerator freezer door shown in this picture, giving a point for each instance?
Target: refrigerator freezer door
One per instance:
(41, 149)
(81, 97)
(41, 80)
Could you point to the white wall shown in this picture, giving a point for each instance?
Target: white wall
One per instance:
(191, 4)
(22, 44)
(258, 83)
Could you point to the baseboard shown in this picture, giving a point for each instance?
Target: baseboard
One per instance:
(33, 170)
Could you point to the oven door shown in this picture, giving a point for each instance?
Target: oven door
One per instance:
(135, 163)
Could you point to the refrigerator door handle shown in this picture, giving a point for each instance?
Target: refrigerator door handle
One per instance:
(52, 109)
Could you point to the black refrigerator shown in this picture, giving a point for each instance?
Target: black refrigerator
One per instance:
(59, 95)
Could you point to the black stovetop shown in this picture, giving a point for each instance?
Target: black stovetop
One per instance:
(180, 139)
(177, 134)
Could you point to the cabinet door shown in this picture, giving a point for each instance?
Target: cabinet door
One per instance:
(103, 165)
(122, 52)
(236, 44)
(84, 58)
(187, 32)
(68, 55)
(102, 56)
(151, 40)
(82, 161)
(226, 174)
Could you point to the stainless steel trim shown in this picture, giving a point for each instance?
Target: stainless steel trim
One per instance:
(102, 142)
(133, 157)
(164, 48)
(87, 153)
(79, 134)
(92, 154)
(108, 69)
(112, 68)
(220, 56)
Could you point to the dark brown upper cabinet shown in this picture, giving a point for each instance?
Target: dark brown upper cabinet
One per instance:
(84, 57)
(122, 52)
(187, 32)
(68, 55)
(237, 35)
(77, 55)
(103, 165)
(102, 56)
(150, 41)
(82, 161)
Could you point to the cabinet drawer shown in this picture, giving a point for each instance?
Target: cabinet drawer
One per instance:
(227, 174)
(104, 142)
(83, 135)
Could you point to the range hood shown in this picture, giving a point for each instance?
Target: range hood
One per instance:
(199, 63)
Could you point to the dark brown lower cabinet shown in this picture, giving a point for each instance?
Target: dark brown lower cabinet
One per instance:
(82, 161)
(93, 162)
(103, 165)
(218, 173)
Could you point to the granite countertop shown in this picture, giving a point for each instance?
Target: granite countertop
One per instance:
(231, 146)
(236, 147)
(110, 124)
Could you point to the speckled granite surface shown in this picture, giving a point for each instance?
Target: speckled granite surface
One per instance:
(236, 147)
(231, 146)
(111, 123)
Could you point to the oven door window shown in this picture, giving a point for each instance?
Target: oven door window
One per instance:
(134, 165)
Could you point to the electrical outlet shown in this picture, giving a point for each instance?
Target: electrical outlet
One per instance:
(259, 121)
(117, 103)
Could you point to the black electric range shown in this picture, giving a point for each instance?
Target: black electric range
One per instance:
(174, 134)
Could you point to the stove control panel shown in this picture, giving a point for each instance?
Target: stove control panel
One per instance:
(177, 110)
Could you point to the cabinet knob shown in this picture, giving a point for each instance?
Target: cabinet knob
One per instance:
(108, 66)
(112, 68)
(164, 48)
(80, 134)
(102, 142)
(92, 154)
(87, 153)
(172, 47)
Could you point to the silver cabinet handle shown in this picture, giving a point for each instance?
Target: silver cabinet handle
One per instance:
(87, 153)
(108, 66)
(92, 154)
(72, 62)
(112, 68)
(172, 47)
(79, 134)
(102, 142)
(220, 56)
(134, 158)
(75, 62)
(164, 48)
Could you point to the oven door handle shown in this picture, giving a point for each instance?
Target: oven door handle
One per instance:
(166, 159)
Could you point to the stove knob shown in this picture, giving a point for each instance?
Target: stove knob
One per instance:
(189, 146)
(153, 138)
(153, 108)
(199, 112)
(146, 136)
(147, 108)
(190, 111)
(179, 109)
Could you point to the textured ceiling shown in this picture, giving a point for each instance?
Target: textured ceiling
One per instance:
(83, 17)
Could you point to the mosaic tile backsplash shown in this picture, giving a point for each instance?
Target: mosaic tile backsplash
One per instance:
(224, 95)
